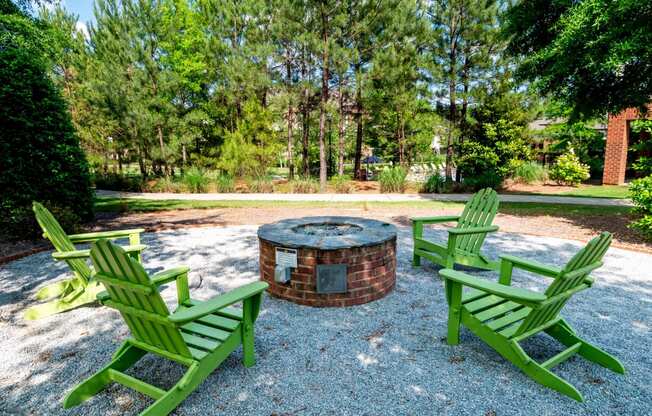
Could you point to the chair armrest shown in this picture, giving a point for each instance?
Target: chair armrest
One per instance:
(83, 254)
(169, 275)
(513, 293)
(473, 230)
(218, 302)
(530, 265)
(88, 237)
(435, 220)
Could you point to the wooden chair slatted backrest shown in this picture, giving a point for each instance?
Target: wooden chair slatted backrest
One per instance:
(134, 294)
(479, 211)
(52, 231)
(569, 279)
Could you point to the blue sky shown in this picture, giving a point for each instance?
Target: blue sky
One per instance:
(83, 8)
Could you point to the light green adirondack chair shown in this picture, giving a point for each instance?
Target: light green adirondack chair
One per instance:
(199, 335)
(465, 240)
(80, 289)
(503, 316)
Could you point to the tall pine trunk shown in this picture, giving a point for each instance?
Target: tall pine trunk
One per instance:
(288, 68)
(340, 150)
(465, 104)
(452, 83)
(323, 103)
(357, 171)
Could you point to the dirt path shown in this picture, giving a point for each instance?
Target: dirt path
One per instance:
(573, 227)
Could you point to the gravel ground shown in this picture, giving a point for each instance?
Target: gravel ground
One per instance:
(387, 357)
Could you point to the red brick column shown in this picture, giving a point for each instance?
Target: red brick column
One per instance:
(371, 274)
(615, 155)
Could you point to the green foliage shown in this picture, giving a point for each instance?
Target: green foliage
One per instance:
(224, 184)
(569, 170)
(475, 183)
(436, 184)
(496, 140)
(530, 172)
(593, 55)
(392, 179)
(166, 184)
(586, 141)
(263, 185)
(304, 186)
(640, 191)
(196, 180)
(251, 149)
(39, 152)
(643, 147)
(113, 181)
(342, 184)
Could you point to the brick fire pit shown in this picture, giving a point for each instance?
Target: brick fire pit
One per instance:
(328, 261)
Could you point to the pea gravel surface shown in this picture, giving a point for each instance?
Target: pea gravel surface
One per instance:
(388, 357)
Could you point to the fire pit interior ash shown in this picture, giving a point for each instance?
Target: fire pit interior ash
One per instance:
(328, 261)
(327, 229)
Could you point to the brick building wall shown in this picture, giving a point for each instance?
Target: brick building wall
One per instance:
(615, 155)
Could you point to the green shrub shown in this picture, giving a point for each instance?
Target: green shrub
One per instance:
(196, 180)
(262, 185)
(568, 170)
(436, 184)
(304, 186)
(480, 182)
(224, 184)
(112, 181)
(640, 191)
(342, 184)
(392, 179)
(530, 172)
(167, 184)
(40, 155)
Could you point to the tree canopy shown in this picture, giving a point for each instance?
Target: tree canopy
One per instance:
(593, 55)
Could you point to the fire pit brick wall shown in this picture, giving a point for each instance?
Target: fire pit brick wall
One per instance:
(371, 274)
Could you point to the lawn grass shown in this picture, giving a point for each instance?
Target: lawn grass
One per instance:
(599, 191)
(117, 205)
(588, 191)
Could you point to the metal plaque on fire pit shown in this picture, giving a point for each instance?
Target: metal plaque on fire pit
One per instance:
(331, 278)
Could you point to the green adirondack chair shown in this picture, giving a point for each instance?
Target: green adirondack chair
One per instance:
(465, 240)
(503, 316)
(80, 289)
(199, 335)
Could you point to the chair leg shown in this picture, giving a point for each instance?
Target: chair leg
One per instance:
(563, 333)
(80, 297)
(550, 380)
(129, 356)
(416, 260)
(53, 289)
(454, 295)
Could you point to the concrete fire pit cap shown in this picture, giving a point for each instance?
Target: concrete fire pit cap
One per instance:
(327, 233)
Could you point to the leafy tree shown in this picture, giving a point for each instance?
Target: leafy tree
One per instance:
(497, 139)
(592, 55)
(39, 151)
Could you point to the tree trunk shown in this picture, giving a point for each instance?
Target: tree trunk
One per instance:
(288, 70)
(323, 102)
(290, 143)
(465, 104)
(305, 119)
(340, 150)
(357, 171)
(452, 83)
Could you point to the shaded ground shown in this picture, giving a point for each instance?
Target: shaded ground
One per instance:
(572, 223)
(384, 358)
(571, 226)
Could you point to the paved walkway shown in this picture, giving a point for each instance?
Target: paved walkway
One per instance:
(543, 199)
